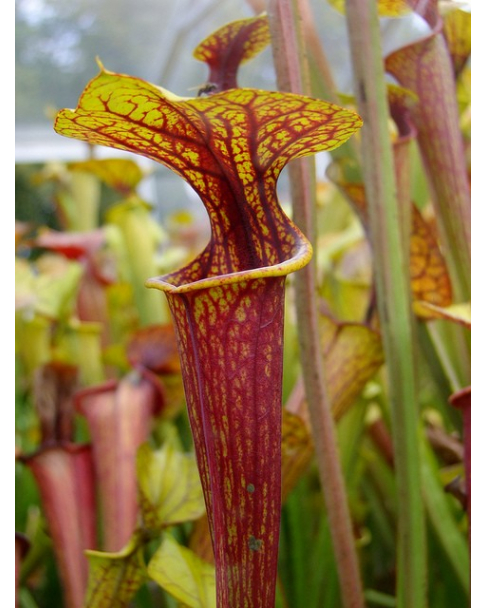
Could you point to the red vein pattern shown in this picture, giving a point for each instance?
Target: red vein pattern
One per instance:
(228, 303)
(229, 147)
(425, 68)
(230, 46)
(234, 404)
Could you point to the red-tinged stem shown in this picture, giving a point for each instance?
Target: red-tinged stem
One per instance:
(313, 42)
(325, 437)
(286, 54)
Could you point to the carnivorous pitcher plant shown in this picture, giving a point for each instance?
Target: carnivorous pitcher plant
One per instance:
(228, 303)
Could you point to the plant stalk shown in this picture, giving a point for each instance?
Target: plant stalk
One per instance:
(393, 295)
(289, 75)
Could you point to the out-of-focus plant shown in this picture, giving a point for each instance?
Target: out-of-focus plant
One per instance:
(92, 388)
(368, 451)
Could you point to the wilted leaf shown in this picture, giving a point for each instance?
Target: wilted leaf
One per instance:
(115, 577)
(183, 574)
(457, 313)
(429, 276)
(428, 271)
(169, 486)
(297, 450)
(53, 388)
(155, 348)
(353, 353)
(200, 540)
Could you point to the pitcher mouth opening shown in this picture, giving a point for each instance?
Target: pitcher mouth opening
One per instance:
(173, 283)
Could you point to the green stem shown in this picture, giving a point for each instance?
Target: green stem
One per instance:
(286, 57)
(442, 520)
(393, 294)
(444, 355)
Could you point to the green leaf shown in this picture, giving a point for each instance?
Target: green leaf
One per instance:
(121, 174)
(443, 520)
(169, 486)
(183, 574)
(115, 577)
(48, 286)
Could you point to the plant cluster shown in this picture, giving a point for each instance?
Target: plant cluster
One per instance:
(288, 423)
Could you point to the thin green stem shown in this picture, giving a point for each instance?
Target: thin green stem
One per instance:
(287, 57)
(444, 355)
(393, 295)
(442, 520)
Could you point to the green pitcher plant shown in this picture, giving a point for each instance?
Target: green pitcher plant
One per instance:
(228, 303)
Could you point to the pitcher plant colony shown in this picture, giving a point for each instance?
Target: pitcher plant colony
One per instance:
(273, 408)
